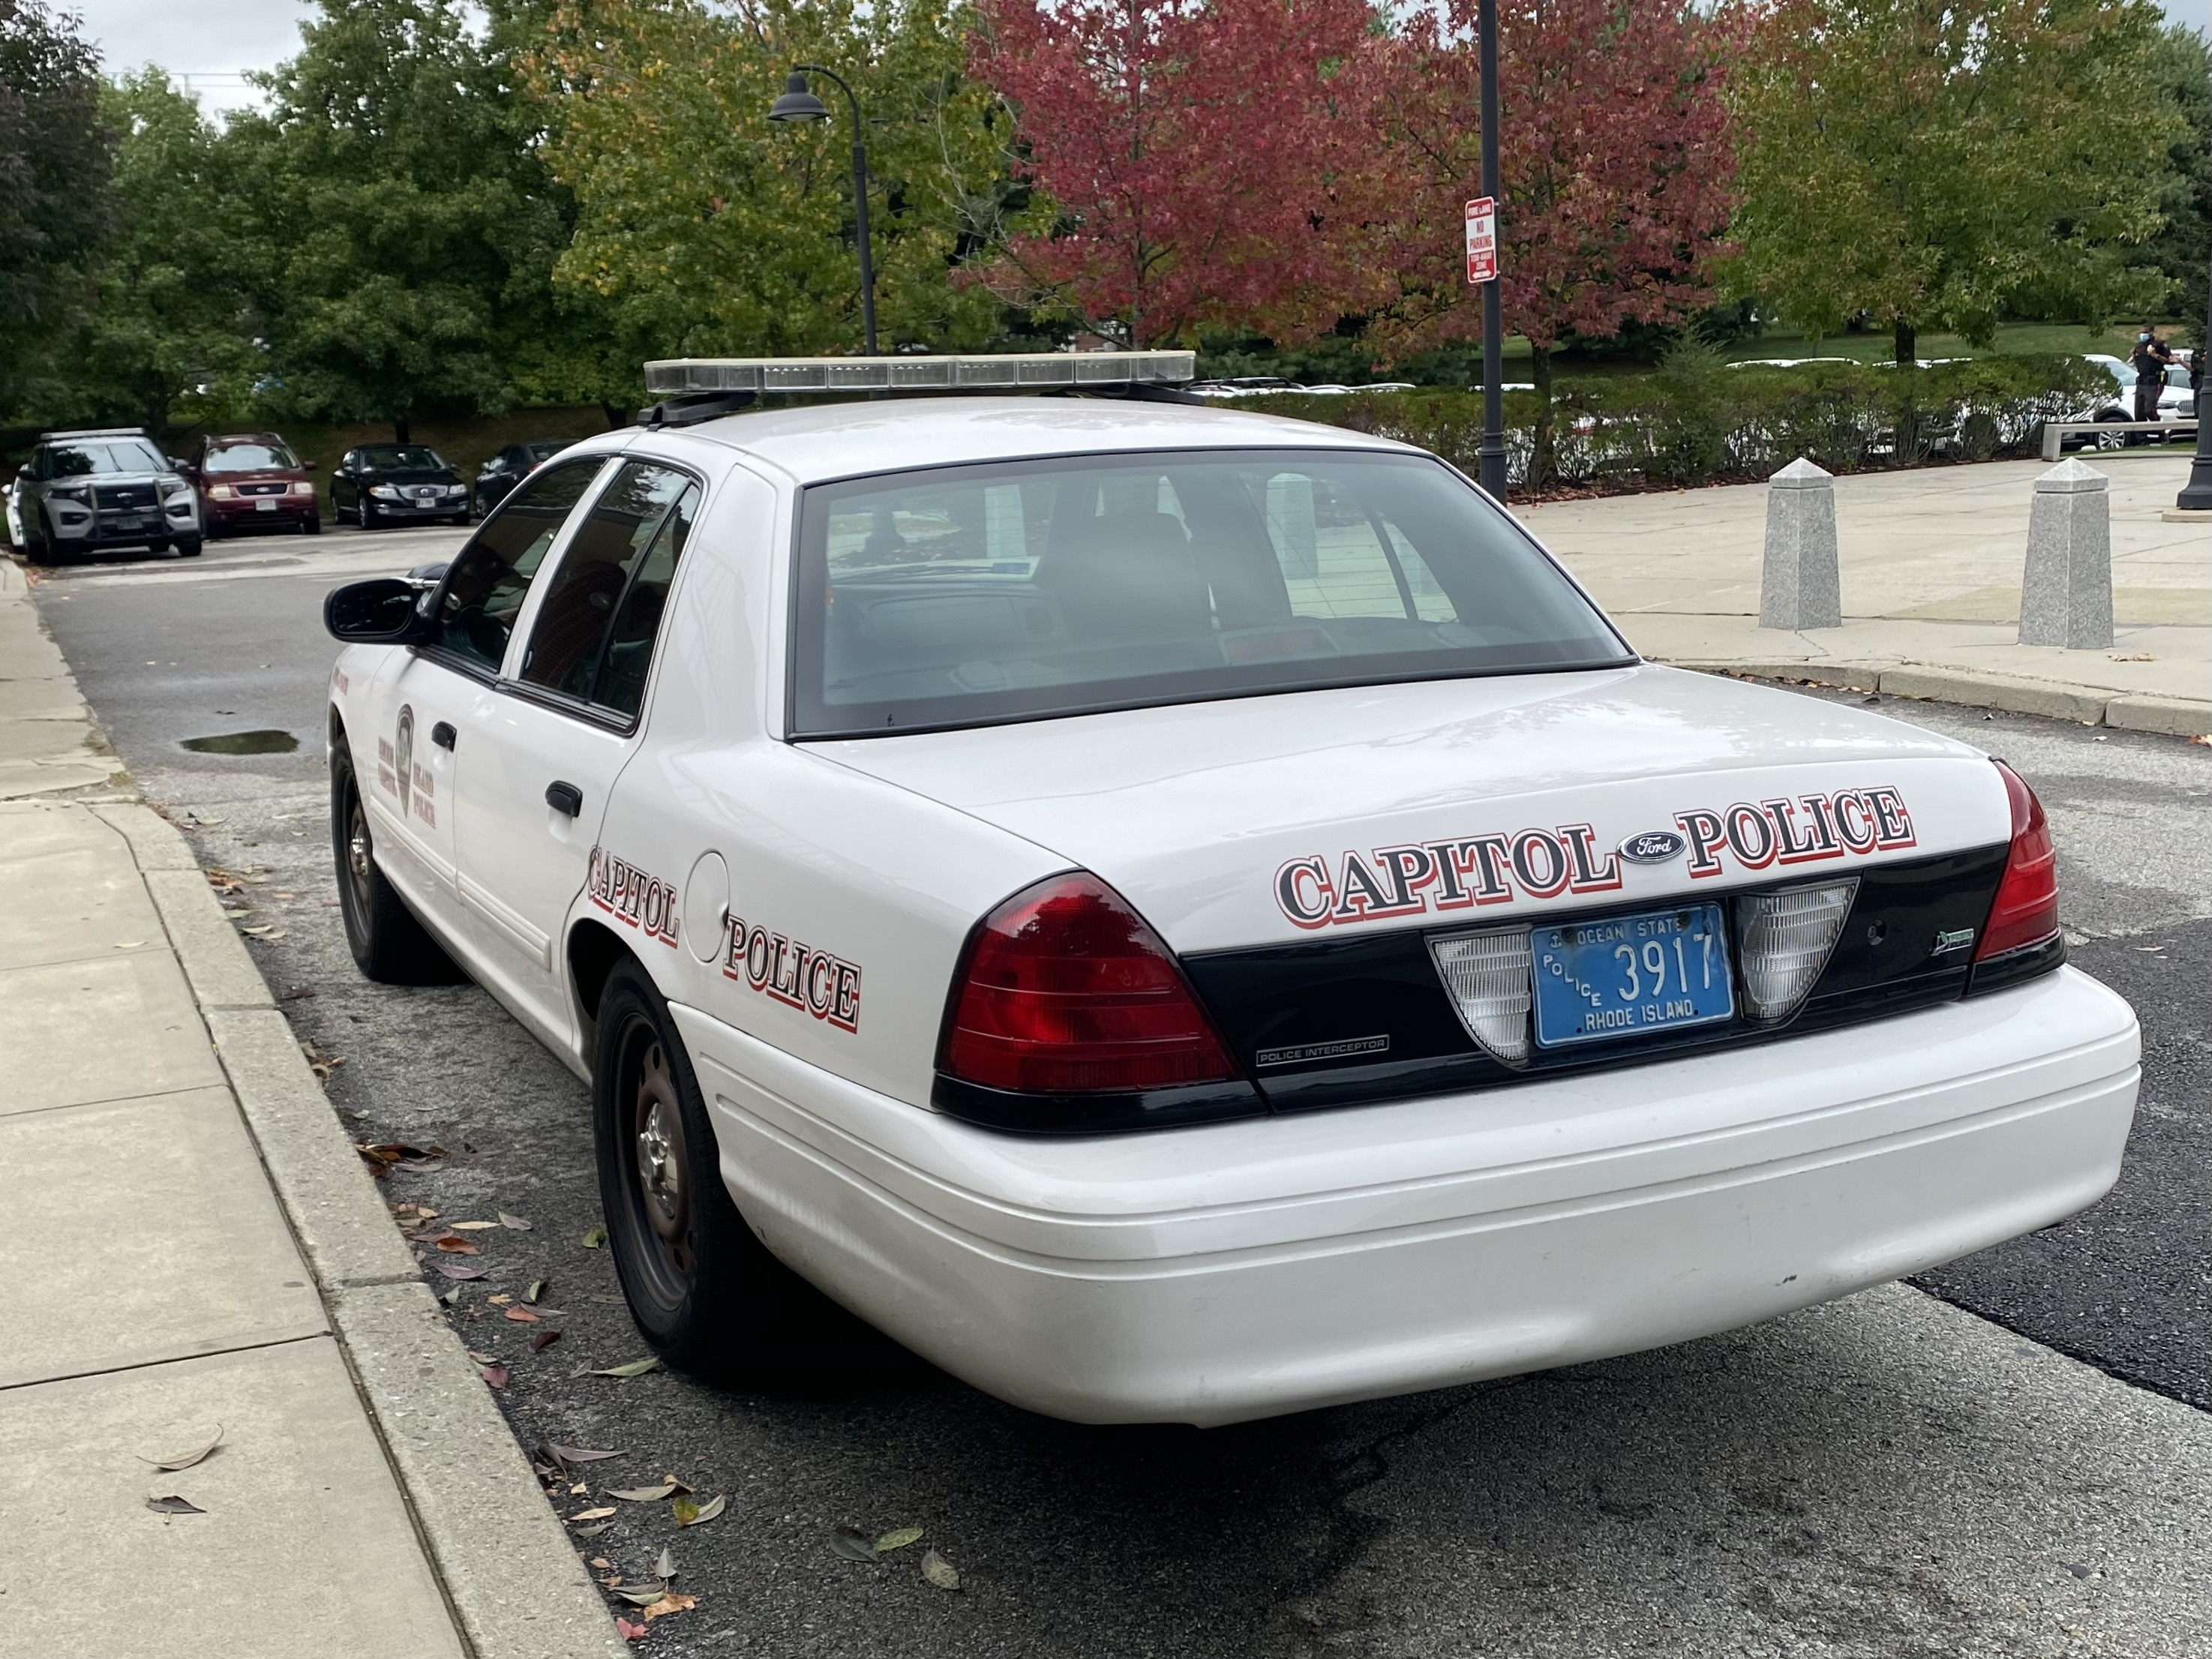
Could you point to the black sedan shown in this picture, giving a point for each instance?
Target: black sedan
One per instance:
(511, 466)
(380, 484)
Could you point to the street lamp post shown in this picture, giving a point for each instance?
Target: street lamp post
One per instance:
(1491, 455)
(799, 104)
(2195, 496)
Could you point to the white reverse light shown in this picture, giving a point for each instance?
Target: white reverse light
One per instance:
(1487, 975)
(981, 372)
(1783, 941)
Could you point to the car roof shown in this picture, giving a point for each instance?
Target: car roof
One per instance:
(94, 432)
(246, 438)
(817, 442)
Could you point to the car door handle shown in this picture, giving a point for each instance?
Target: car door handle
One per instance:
(442, 735)
(564, 798)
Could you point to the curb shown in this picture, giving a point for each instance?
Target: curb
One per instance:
(511, 1576)
(2179, 717)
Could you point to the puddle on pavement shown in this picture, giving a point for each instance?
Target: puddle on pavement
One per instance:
(244, 743)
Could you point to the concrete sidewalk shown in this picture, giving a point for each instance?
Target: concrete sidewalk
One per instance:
(1931, 563)
(196, 1252)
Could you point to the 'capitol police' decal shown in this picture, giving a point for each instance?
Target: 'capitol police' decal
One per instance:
(798, 976)
(1442, 875)
(632, 896)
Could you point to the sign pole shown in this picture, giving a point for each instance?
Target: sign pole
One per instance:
(1492, 454)
(2195, 496)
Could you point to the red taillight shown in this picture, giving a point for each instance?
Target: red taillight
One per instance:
(1068, 992)
(2026, 911)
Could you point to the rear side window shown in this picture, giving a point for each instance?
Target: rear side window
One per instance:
(485, 588)
(971, 595)
(597, 581)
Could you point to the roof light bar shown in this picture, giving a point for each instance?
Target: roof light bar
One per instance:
(1009, 372)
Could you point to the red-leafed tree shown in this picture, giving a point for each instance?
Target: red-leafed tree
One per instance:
(1202, 154)
(1616, 173)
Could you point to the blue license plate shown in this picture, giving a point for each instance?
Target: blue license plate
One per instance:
(1621, 976)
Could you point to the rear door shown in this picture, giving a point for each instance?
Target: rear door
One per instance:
(545, 748)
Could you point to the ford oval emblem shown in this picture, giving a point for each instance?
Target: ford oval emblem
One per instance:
(1652, 847)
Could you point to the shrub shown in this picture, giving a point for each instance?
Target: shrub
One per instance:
(1695, 420)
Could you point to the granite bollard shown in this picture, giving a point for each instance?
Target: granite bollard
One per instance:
(2066, 593)
(1798, 583)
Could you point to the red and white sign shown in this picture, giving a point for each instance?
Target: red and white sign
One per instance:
(1482, 240)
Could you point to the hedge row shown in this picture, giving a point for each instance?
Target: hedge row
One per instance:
(1702, 423)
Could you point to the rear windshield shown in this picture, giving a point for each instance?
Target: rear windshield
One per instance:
(252, 458)
(971, 595)
(78, 460)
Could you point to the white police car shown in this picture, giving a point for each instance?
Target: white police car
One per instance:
(1177, 914)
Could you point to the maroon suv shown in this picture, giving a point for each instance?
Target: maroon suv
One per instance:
(252, 480)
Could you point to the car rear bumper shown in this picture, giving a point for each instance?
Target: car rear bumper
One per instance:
(1210, 1274)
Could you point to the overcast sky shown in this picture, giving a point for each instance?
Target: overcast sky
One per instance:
(213, 42)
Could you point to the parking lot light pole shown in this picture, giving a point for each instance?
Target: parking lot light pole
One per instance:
(2195, 496)
(798, 103)
(1491, 455)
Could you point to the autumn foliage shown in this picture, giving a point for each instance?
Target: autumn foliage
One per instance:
(1212, 159)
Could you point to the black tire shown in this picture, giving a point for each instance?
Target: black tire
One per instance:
(366, 512)
(706, 1295)
(311, 527)
(188, 547)
(388, 943)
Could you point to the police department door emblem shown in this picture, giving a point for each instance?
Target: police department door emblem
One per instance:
(1652, 847)
(403, 753)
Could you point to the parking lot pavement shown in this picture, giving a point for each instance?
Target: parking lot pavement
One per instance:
(1883, 1477)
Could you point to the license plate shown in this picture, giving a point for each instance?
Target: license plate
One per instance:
(1618, 976)
(266, 504)
(128, 521)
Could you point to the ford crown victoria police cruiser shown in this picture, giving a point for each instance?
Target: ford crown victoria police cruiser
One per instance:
(1177, 914)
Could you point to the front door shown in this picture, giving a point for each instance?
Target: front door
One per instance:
(403, 760)
(545, 751)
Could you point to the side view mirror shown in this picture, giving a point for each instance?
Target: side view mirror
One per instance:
(379, 611)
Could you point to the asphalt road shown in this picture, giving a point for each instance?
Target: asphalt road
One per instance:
(1877, 1479)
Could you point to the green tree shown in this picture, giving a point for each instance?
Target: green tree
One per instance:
(54, 203)
(410, 224)
(2182, 67)
(703, 227)
(170, 323)
(1931, 163)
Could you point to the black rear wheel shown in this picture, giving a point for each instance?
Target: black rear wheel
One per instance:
(388, 943)
(706, 1294)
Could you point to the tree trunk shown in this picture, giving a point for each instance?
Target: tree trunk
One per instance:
(616, 418)
(399, 429)
(1907, 448)
(1906, 339)
(1539, 456)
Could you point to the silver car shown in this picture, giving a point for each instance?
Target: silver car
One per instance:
(81, 491)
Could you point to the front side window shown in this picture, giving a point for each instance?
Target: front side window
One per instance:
(608, 554)
(488, 583)
(970, 595)
(252, 458)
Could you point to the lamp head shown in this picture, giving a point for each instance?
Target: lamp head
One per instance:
(797, 103)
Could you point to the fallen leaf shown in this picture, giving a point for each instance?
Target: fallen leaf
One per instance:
(627, 1631)
(524, 1316)
(639, 1595)
(595, 1238)
(451, 1298)
(173, 1505)
(852, 1543)
(594, 1532)
(688, 1514)
(270, 932)
(483, 1358)
(579, 1454)
(897, 1539)
(176, 1460)
(600, 1514)
(129, 944)
(636, 1368)
(536, 1292)
(496, 1374)
(460, 1270)
(643, 1494)
(673, 1602)
(514, 1223)
(455, 1244)
(939, 1571)
(498, 1301)
(665, 1567)
(541, 1340)
(601, 1563)
(471, 1226)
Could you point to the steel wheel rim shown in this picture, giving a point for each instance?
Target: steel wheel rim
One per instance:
(656, 1154)
(360, 852)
